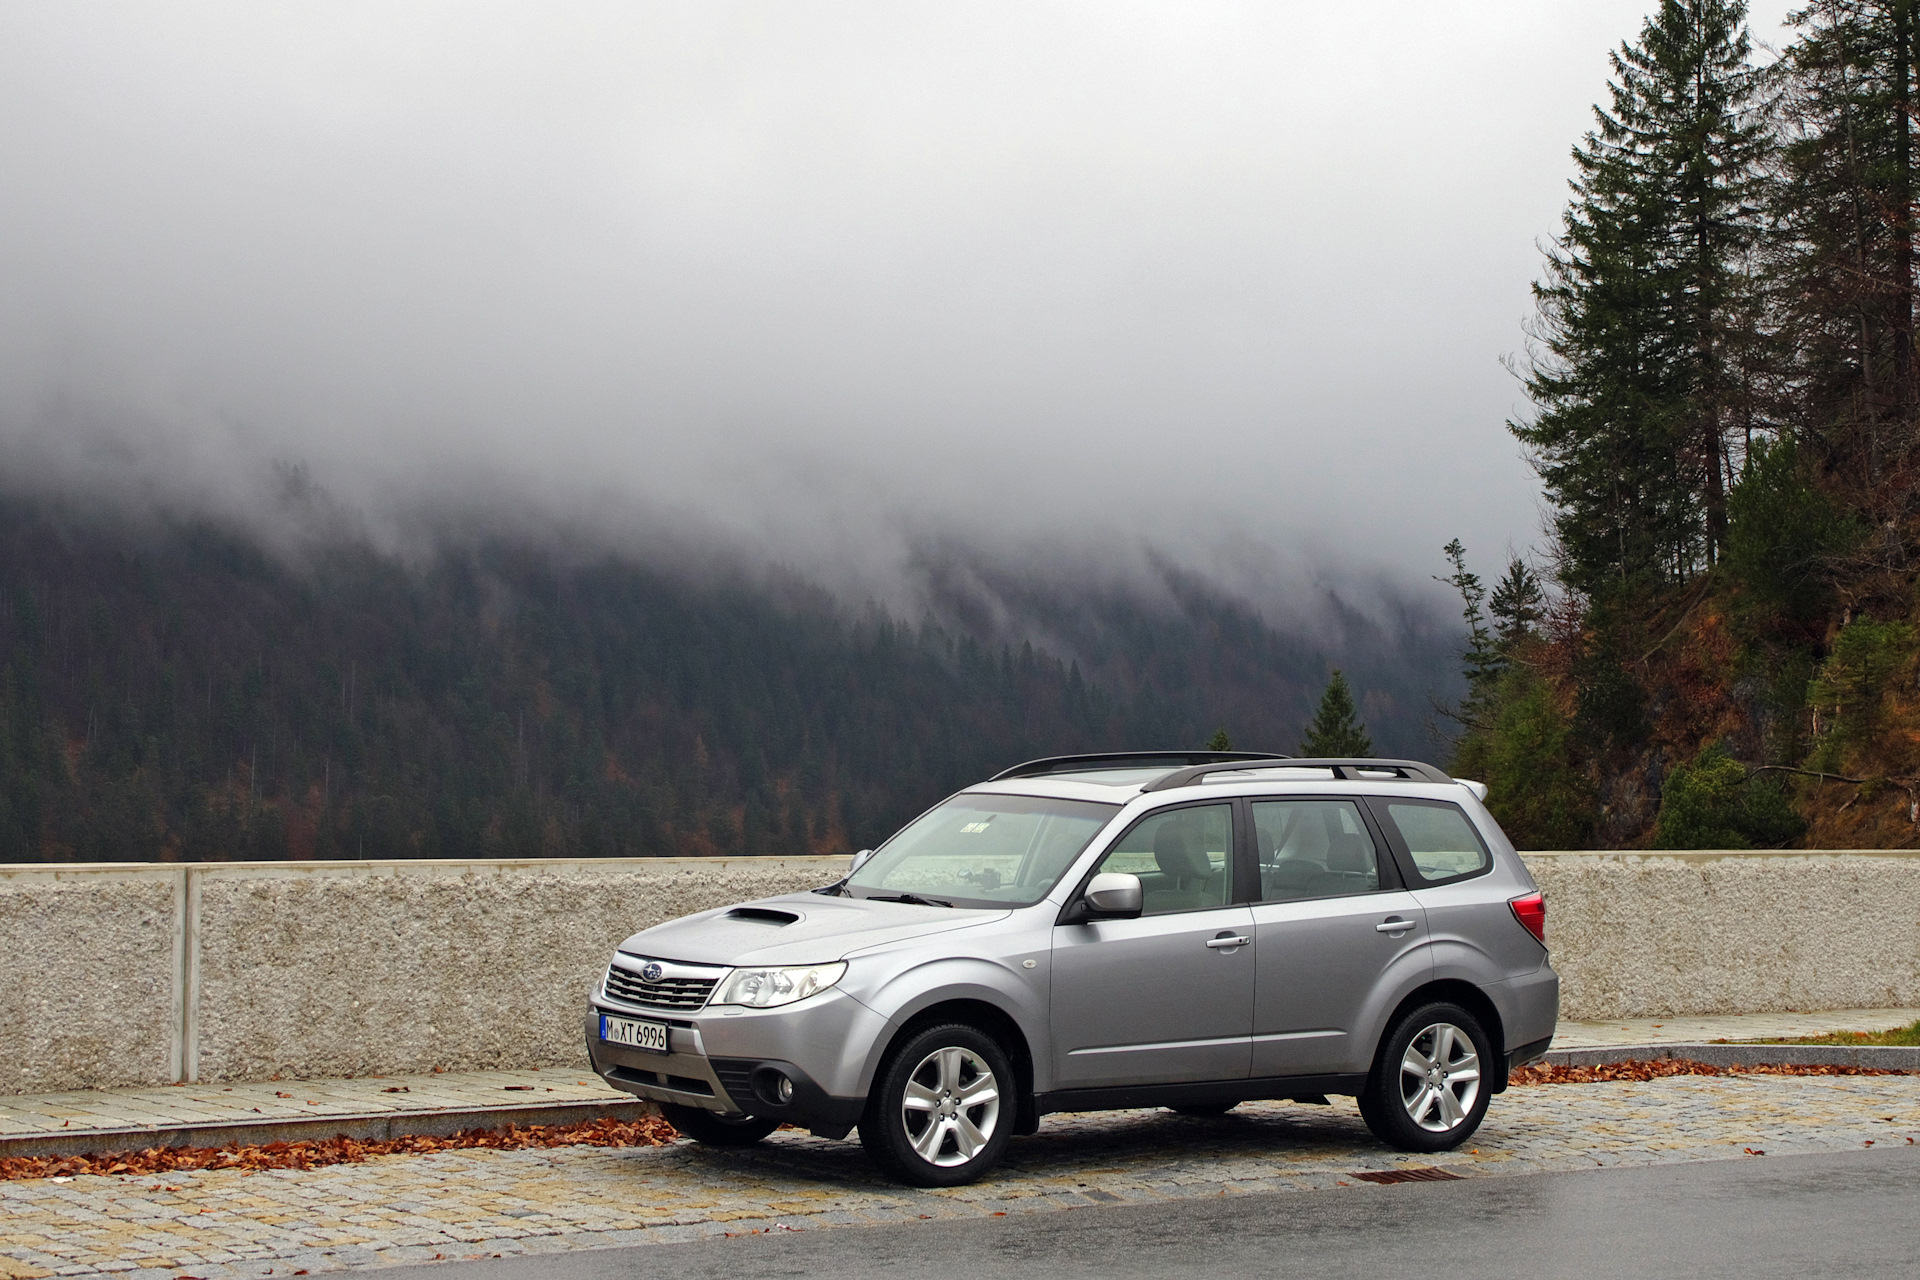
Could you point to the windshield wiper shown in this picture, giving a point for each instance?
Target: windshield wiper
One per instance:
(911, 899)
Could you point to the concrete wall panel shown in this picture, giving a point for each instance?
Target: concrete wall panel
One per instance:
(1662, 935)
(87, 972)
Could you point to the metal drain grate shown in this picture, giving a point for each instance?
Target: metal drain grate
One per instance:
(1408, 1175)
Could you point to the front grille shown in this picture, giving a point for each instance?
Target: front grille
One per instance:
(629, 987)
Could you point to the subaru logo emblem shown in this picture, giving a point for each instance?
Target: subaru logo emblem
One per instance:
(652, 971)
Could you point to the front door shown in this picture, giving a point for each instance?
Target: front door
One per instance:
(1325, 932)
(1167, 997)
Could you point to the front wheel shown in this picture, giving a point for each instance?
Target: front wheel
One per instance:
(942, 1109)
(716, 1130)
(1428, 1090)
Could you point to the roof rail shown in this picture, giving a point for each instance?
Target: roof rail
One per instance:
(1128, 760)
(1344, 769)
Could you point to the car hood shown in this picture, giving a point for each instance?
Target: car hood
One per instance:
(820, 929)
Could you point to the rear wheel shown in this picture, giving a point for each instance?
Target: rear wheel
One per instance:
(1428, 1089)
(942, 1109)
(716, 1130)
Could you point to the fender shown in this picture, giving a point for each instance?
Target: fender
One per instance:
(1003, 984)
(1405, 974)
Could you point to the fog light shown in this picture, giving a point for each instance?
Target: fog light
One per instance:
(773, 1086)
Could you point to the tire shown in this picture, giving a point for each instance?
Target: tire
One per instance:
(935, 1138)
(716, 1130)
(1420, 1100)
(1204, 1108)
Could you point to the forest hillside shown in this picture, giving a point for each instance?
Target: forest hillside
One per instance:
(171, 691)
(1721, 647)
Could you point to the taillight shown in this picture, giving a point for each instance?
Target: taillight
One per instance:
(1531, 911)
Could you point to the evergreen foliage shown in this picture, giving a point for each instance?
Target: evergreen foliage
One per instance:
(1649, 316)
(1527, 758)
(1715, 804)
(1335, 730)
(174, 693)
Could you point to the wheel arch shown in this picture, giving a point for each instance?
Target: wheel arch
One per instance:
(991, 1020)
(1474, 1001)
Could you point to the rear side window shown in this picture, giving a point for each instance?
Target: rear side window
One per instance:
(1442, 843)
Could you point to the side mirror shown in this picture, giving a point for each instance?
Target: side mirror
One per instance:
(859, 860)
(1113, 895)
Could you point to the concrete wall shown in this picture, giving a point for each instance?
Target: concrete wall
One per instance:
(1662, 935)
(113, 975)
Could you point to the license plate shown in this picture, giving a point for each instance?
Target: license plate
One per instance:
(651, 1036)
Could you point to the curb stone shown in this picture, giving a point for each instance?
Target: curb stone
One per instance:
(1881, 1057)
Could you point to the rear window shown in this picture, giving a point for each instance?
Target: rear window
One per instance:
(1443, 843)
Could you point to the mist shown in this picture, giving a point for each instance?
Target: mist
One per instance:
(841, 286)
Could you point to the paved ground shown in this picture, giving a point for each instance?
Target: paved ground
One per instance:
(1843, 1215)
(481, 1203)
(205, 1106)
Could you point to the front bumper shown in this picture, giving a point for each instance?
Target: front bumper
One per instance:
(730, 1060)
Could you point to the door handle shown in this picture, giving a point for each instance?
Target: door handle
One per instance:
(1232, 940)
(1393, 926)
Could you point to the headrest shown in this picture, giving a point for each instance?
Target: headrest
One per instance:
(1348, 852)
(1176, 855)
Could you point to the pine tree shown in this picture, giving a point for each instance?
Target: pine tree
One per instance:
(1219, 741)
(1648, 314)
(1517, 605)
(1334, 732)
(1846, 213)
(1481, 661)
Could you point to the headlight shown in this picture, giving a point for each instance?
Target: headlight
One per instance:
(767, 988)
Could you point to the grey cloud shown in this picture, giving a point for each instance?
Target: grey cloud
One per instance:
(828, 283)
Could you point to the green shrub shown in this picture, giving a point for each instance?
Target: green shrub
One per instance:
(1714, 804)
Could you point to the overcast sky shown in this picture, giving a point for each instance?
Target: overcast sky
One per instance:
(825, 280)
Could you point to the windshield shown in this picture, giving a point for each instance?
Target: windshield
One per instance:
(982, 850)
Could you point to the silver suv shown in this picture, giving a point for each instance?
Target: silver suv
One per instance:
(1175, 929)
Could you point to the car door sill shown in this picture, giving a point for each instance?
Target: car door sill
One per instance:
(1127, 1096)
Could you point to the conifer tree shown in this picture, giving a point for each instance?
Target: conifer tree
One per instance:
(1334, 731)
(1846, 214)
(1648, 313)
(1517, 605)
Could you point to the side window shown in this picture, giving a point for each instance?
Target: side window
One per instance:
(1443, 843)
(1184, 858)
(1313, 849)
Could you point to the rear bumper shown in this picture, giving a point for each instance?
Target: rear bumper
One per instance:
(690, 1076)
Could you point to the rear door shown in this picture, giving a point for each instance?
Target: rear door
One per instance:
(1167, 997)
(1331, 920)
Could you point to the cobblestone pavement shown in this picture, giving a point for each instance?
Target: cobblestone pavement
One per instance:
(1739, 1026)
(475, 1203)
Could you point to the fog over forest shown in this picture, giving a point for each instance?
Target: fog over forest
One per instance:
(1165, 338)
(829, 284)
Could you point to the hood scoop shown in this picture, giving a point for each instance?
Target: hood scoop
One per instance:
(764, 915)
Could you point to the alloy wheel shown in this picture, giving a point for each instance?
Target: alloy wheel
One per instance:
(1439, 1077)
(951, 1106)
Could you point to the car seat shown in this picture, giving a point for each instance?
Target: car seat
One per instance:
(1350, 867)
(1190, 879)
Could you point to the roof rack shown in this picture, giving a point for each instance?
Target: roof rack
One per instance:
(1346, 770)
(1129, 760)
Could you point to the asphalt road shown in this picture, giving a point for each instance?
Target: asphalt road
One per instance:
(1855, 1214)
